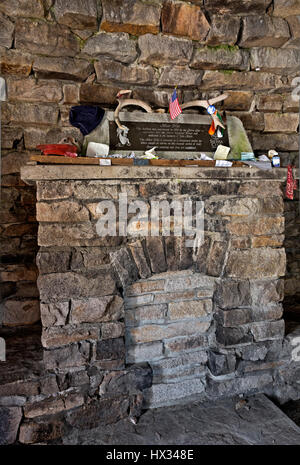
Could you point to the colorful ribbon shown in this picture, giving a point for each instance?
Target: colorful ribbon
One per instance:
(291, 183)
(212, 128)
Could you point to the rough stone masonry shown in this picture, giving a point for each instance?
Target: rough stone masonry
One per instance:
(137, 322)
(55, 54)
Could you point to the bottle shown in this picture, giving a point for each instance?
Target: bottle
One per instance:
(276, 161)
(274, 158)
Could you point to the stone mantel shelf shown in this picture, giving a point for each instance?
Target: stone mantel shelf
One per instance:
(30, 174)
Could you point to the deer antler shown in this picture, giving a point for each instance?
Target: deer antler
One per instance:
(205, 104)
(124, 102)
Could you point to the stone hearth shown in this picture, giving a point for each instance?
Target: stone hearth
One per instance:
(135, 322)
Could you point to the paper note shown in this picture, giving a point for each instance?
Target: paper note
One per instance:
(104, 162)
(3, 95)
(223, 163)
(221, 152)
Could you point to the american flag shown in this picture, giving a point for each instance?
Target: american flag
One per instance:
(174, 107)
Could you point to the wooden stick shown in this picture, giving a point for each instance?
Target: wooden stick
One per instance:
(58, 160)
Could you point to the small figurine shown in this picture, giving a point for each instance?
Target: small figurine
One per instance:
(72, 141)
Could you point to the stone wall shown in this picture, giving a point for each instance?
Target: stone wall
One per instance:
(104, 296)
(168, 323)
(292, 247)
(55, 54)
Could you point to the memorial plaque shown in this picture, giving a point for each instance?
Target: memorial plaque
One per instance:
(186, 137)
(166, 136)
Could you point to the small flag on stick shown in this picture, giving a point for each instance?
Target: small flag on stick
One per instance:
(174, 107)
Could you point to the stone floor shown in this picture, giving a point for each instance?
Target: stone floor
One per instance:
(255, 420)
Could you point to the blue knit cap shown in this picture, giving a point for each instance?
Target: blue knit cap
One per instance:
(86, 117)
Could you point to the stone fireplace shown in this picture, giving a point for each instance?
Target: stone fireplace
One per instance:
(212, 325)
(130, 323)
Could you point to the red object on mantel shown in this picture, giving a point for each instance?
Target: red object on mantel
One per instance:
(291, 183)
(66, 150)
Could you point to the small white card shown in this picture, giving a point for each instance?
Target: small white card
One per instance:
(104, 162)
(223, 163)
